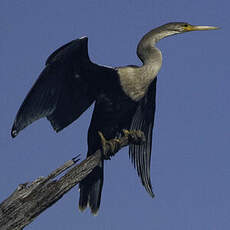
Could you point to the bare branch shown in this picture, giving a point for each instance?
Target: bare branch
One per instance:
(30, 199)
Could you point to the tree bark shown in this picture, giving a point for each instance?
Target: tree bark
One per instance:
(31, 199)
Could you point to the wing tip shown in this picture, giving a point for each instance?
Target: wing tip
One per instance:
(148, 188)
(14, 132)
(151, 193)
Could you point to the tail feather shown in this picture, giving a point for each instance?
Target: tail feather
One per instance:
(95, 197)
(83, 201)
(90, 190)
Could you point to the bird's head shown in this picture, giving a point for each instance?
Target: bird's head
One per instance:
(169, 29)
(181, 27)
(152, 37)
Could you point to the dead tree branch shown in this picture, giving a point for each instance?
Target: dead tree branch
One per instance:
(30, 199)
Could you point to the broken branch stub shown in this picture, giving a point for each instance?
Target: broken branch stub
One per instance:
(31, 199)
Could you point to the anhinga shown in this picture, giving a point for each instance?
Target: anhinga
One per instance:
(124, 99)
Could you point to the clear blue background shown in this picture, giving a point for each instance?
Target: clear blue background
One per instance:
(190, 167)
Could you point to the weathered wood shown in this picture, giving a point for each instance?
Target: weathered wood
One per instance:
(30, 199)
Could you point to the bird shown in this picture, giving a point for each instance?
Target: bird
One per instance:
(124, 99)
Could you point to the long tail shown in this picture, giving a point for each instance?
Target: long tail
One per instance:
(90, 190)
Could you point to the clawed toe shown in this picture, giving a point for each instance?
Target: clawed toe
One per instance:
(114, 146)
(136, 135)
(109, 148)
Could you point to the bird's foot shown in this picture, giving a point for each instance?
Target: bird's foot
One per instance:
(109, 148)
(136, 136)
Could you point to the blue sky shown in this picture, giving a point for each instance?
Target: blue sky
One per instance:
(190, 161)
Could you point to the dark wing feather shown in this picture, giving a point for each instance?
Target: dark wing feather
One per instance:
(60, 52)
(144, 120)
(63, 90)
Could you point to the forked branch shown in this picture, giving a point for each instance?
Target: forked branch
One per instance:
(30, 199)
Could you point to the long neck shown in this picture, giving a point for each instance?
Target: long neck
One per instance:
(146, 49)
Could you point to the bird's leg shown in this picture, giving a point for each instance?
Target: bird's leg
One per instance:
(136, 136)
(114, 146)
(103, 143)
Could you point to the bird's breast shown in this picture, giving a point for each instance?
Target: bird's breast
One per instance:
(135, 81)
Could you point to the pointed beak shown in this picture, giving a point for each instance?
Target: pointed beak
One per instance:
(198, 28)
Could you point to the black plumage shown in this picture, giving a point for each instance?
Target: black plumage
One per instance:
(67, 86)
(124, 99)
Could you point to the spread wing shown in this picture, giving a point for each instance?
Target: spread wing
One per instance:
(63, 91)
(144, 120)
